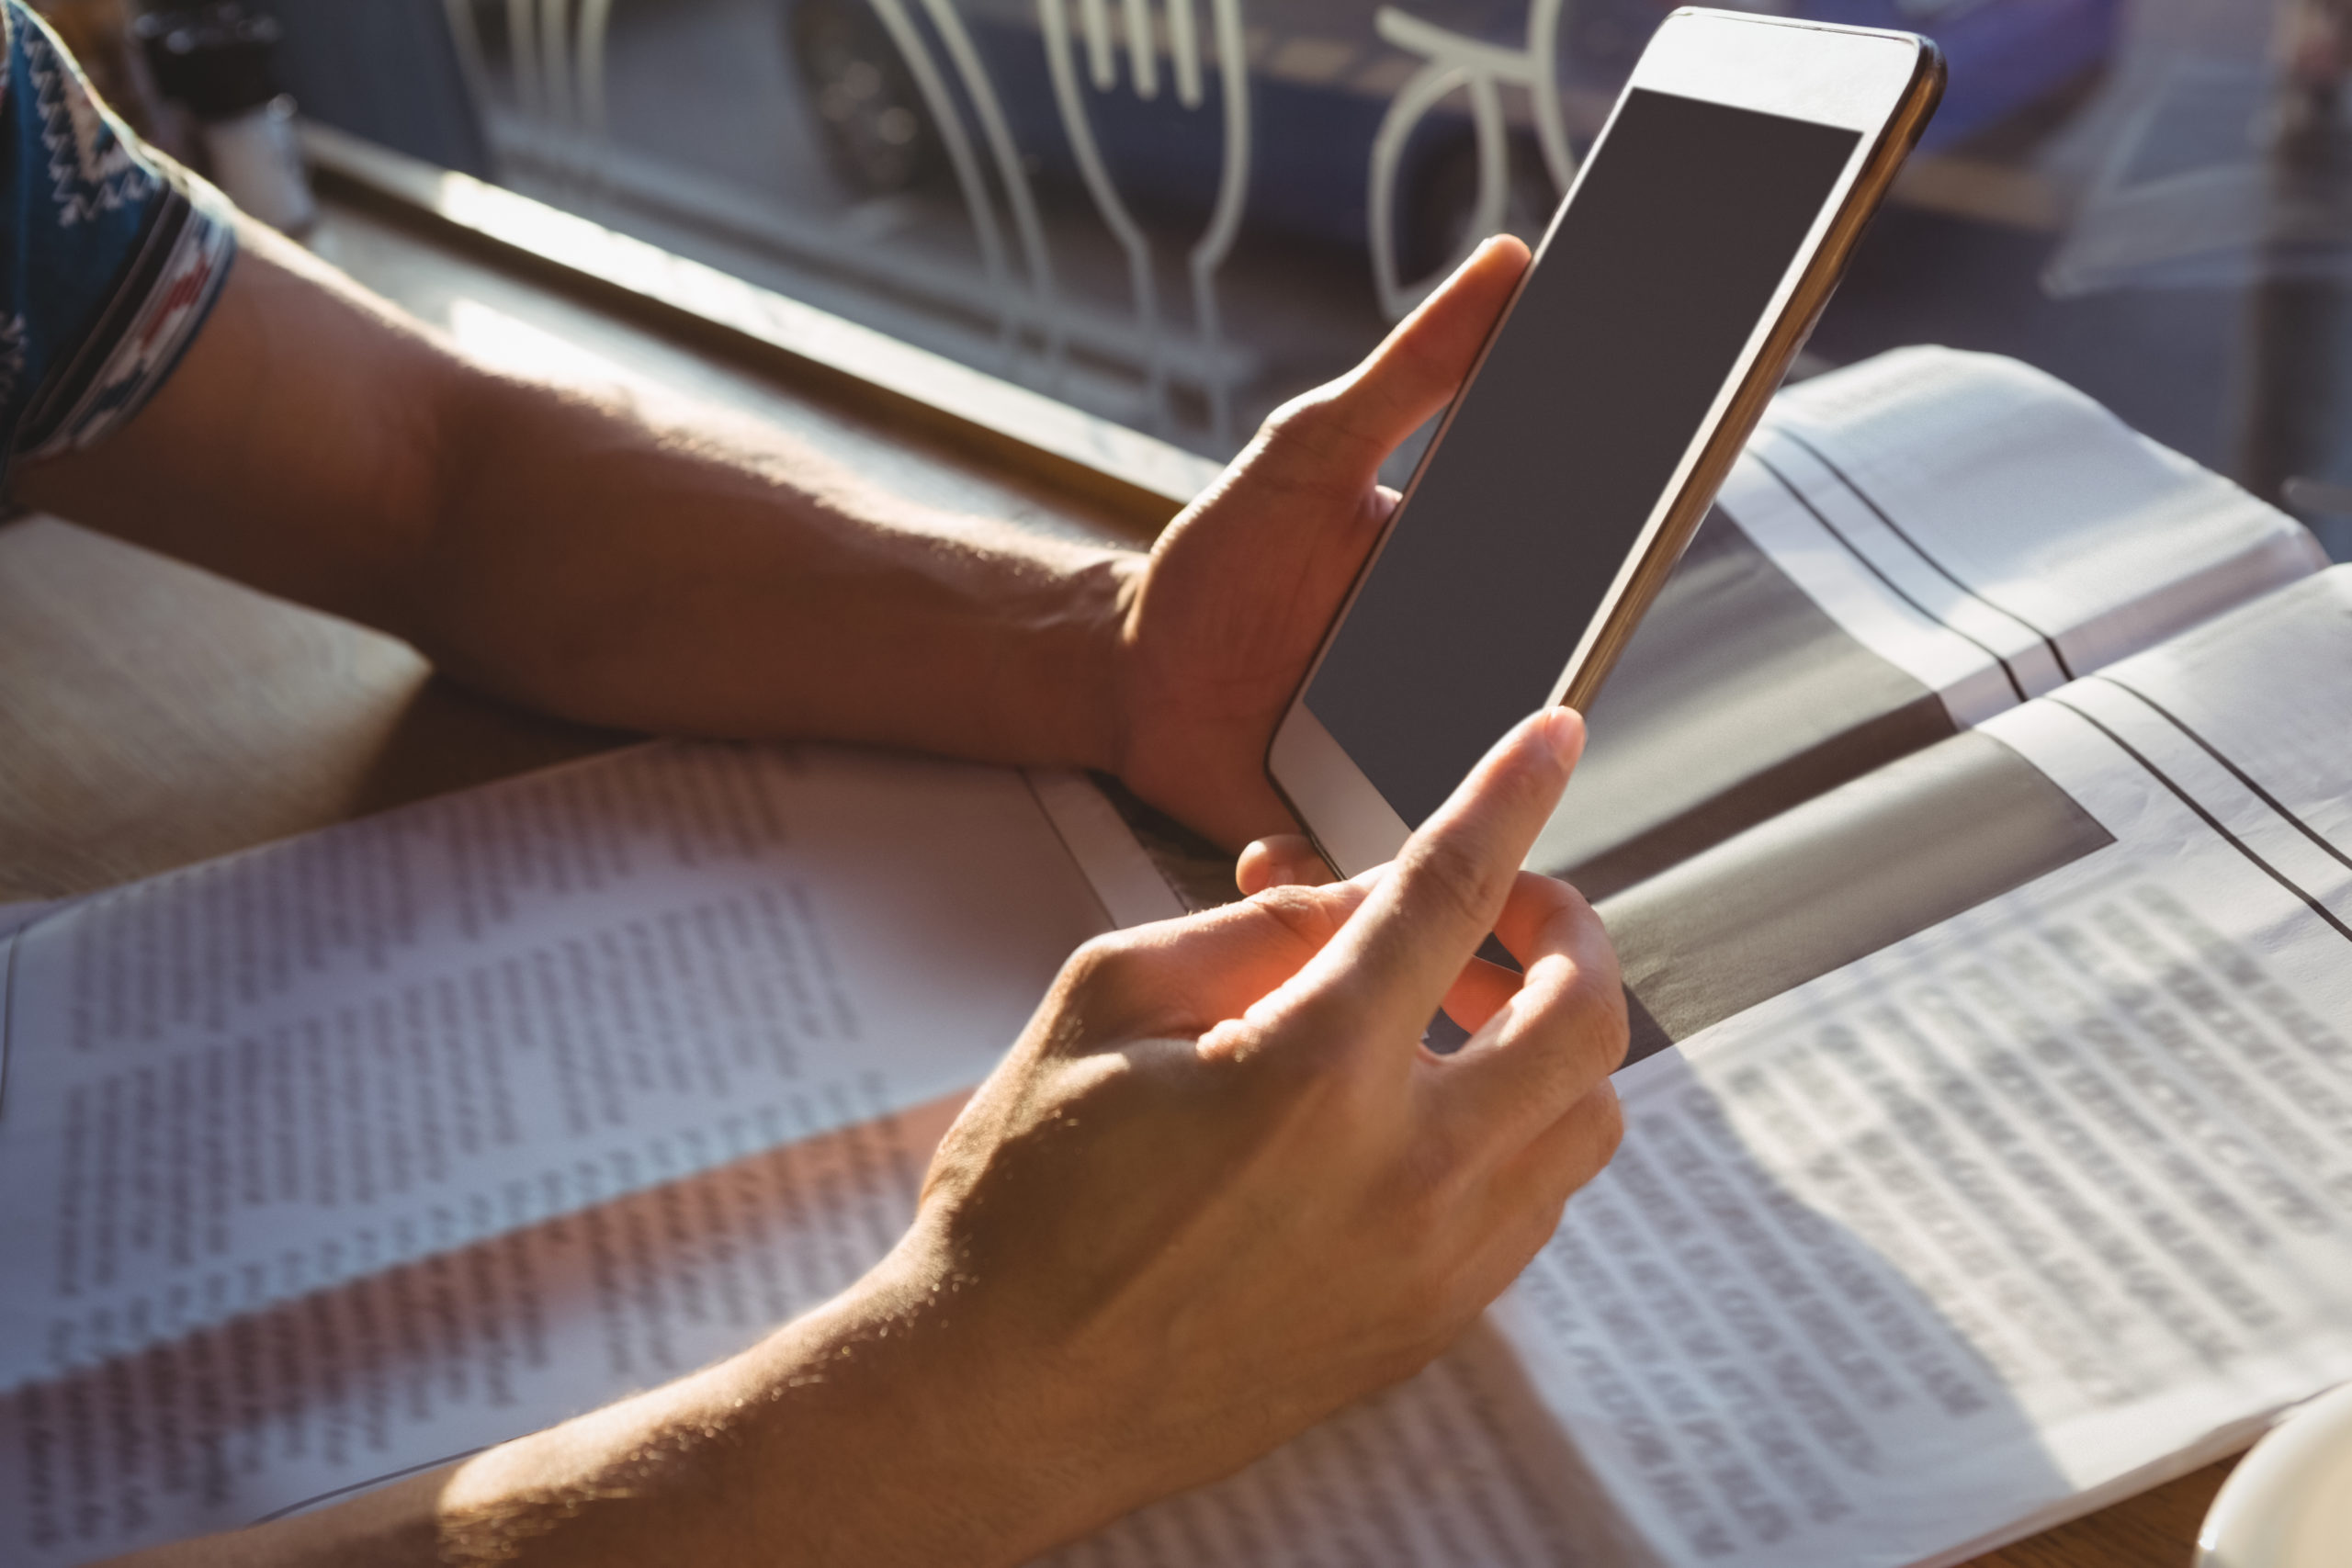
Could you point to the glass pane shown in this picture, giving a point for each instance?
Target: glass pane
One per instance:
(1178, 213)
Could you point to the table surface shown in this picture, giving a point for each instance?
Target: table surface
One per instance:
(152, 716)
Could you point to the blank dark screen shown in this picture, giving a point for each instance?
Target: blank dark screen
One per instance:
(1687, 219)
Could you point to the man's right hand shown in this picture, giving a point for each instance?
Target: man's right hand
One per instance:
(1220, 1189)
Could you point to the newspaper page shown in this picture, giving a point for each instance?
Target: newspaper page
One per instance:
(2052, 1197)
(1909, 545)
(426, 1361)
(267, 1076)
(1993, 531)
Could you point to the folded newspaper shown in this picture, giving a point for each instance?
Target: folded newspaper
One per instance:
(1974, 815)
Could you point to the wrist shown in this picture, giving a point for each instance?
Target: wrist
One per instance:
(855, 1435)
(908, 1439)
(1073, 679)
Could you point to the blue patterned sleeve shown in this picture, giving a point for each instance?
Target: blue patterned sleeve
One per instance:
(110, 254)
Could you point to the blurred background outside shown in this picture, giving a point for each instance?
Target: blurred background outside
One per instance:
(1178, 213)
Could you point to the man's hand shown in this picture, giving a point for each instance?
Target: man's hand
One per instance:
(1220, 1189)
(1239, 590)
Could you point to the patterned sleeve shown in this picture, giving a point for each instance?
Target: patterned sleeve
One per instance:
(110, 254)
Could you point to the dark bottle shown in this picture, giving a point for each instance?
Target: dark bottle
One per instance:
(216, 62)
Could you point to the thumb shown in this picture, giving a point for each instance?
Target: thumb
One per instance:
(1284, 859)
(1359, 418)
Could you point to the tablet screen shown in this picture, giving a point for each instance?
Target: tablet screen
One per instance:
(1688, 219)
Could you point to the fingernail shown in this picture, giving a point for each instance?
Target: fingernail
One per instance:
(1560, 728)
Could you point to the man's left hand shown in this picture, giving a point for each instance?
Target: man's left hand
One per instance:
(1237, 593)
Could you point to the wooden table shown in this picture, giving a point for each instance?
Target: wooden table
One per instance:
(152, 716)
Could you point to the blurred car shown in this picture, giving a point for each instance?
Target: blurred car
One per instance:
(1322, 79)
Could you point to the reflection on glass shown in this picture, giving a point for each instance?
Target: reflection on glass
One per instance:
(1178, 213)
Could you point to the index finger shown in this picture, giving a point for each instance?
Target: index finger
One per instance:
(1404, 947)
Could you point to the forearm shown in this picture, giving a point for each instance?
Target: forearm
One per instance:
(648, 568)
(588, 551)
(831, 1442)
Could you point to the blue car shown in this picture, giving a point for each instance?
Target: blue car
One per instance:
(1362, 125)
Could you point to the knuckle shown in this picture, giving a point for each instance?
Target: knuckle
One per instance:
(1601, 1001)
(1595, 982)
(1594, 949)
(1588, 1140)
(1615, 1027)
(1304, 914)
(1300, 409)
(1321, 422)
(1591, 1016)
(1608, 1132)
(1302, 421)
(1537, 1216)
(1593, 993)
(1109, 962)
(1449, 870)
(1297, 1048)
(1094, 956)
(1591, 931)
(1571, 908)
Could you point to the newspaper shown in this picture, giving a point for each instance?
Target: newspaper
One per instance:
(269, 1075)
(2048, 1197)
(1910, 546)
